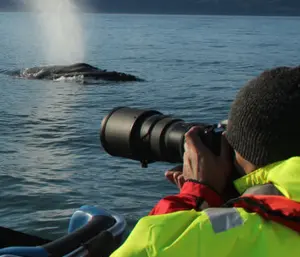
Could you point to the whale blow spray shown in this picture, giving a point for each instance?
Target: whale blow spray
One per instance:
(60, 29)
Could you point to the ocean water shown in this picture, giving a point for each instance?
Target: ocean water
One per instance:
(51, 160)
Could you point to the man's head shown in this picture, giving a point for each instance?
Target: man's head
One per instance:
(264, 122)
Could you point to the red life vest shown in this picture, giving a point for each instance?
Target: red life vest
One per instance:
(275, 208)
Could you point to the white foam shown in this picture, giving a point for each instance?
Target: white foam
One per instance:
(78, 78)
(81, 80)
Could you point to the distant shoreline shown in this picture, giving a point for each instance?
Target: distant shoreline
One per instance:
(177, 13)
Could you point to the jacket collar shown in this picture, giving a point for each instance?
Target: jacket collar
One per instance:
(285, 175)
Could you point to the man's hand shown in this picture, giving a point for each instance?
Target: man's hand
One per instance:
(200, 164)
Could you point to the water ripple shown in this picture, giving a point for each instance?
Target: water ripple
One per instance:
(51, 159)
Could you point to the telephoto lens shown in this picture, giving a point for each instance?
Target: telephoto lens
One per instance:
(149, 136)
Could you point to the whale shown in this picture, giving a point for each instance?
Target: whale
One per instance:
(55, 72)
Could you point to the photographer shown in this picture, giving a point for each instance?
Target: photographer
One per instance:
(264, 219)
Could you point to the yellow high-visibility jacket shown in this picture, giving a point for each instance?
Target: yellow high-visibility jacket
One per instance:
(217, 232)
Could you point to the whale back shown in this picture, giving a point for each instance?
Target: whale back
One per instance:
(84, 70)
(78, 67)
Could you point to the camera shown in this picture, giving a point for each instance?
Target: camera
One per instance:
(149, 136)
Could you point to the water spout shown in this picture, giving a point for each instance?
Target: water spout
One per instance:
(60, 30)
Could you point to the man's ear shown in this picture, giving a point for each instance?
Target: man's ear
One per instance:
(245, 166)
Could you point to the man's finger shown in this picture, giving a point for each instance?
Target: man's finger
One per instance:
(176, 175)
(169, 176)
(181, 180)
